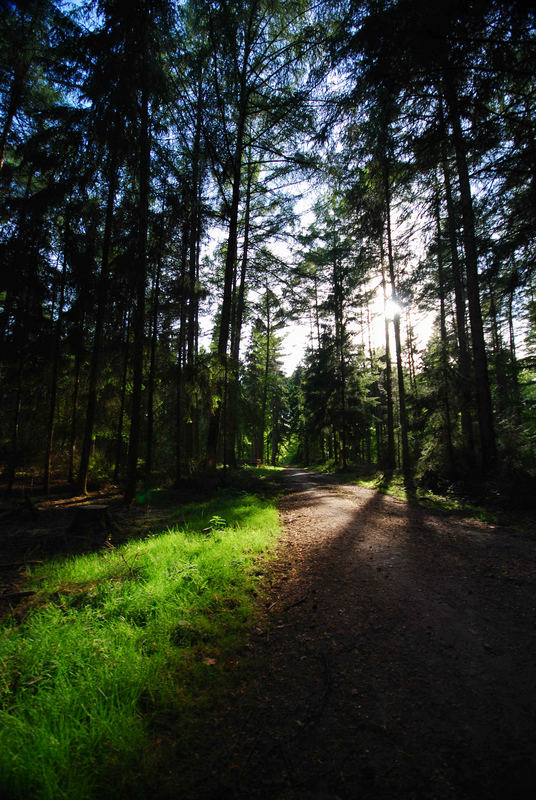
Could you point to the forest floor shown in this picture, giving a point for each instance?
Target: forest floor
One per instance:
(394, 655)
(395, 659)
(36, 529)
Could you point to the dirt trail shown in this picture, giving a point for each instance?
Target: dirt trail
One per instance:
(396, 658)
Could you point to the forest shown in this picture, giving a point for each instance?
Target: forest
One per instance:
(188, 188)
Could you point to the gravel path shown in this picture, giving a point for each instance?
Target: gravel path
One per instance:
(396, 658)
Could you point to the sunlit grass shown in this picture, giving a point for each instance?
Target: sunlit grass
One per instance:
(114, 639)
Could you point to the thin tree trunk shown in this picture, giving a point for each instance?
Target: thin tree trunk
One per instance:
(191, 426)
(119, 435)
(226, 307)
(265, 381)
(410, 346)
(406, 463)
(459, 298)
(152, 371)
(94, 370)
(339, 339)
(483, 394)
(444, 341)
(498, 352)
(236, 329)
(14, 455)
(230, 257)
(375, 393)
(74, 412)
(390, 461)
(181, 360)
(54, 380)
(515, 367)
(317, 312)
(139, 314)
(22, 222)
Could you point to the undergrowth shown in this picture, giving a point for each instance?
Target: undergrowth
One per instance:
(117, 641)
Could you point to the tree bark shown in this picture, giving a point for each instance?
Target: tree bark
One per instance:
(119, 435)
(14, 455)
(236, 331)
(406, 461)
(94, 370)
(141, 275)
(444, 341)
(232, 246)
(191, 426)
(74, 411)
(152, 370)
(264, 401)
(181, 360)
(226, 307)
(338, 292)
(54, 380)
(459, 299)
(483, 393)
(390, 461)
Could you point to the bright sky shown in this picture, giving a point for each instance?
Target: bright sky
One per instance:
(298, 335)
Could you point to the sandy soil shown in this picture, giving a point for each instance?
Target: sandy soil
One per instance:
(396, 658)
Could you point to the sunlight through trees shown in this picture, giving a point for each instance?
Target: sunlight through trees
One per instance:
(154, 158)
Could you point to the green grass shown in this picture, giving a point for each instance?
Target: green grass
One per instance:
(117, 642)
(393, 486)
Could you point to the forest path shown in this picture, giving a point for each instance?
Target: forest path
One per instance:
(396, 658)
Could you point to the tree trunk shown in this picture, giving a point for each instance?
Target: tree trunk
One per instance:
(74, 412)
(236, 330)
(152, 371)
(444, 342)
(264, 401)
(339, 343)
(459, 298)
(119, 435)
(226, 307)
(14, 455)
(94, 370)
(191, 427)
(231, 254)
(181, 360)
(390, 461)
(410, 347)
(483, 394)
(139, 314)
(513, 358)
(406, 463)
(317, 311)
(54, 380)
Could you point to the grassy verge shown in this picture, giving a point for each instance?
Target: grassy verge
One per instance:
(123, 645)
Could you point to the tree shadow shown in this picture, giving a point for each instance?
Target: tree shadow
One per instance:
(383, 666)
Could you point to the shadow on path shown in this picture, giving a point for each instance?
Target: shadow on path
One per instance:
(396, 659)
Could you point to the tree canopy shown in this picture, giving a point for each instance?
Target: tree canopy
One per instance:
(185, 185)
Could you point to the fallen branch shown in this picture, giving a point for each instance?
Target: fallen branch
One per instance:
(130, 566)
(17, 595)
(295, 604)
